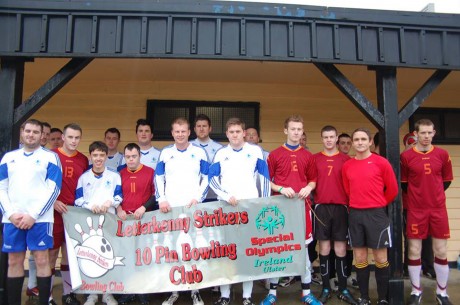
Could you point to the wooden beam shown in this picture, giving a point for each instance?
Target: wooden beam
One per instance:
(11, 85)
(387, 100)
(352, 93)
(49, 89)
(421, 95)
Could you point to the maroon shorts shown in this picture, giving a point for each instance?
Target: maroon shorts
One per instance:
(58, 231)
(421, 223)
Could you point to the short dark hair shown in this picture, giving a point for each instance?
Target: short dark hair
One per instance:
(113, 130)
(33, 122)
(143, 122)
(202, 117)
(73, 126)
(98, 145)
(344, 135)
(131, 146)
(424, 122)
(46, 124)
(362, 129)
(54, 129)
(328, 128)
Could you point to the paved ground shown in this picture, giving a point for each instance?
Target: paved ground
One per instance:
(288, 295)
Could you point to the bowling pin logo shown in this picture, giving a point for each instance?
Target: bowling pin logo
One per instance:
(95, 253)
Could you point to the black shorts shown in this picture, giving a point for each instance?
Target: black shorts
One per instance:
(331, 222)
(369, 228)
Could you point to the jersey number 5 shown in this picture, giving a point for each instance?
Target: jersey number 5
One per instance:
(427, 168)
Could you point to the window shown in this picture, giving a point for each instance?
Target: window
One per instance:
(446, 123)
(161, 113)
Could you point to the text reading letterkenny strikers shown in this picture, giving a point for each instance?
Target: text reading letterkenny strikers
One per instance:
(200, 218)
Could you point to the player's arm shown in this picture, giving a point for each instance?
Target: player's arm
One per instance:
(204, 183)
(404, 173)
(391, 184)
(53, 187)
(5, 204)
(79, 195)
(160, 187)
(447, 173)
(283, 190)
(311, 173)
(121, 213)
(214, 181)
(264, 177)
(306, 191)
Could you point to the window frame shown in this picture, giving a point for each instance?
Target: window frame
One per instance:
(440, 137)
(164, 134)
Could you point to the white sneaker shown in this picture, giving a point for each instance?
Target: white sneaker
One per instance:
(196, 298)
(109, 299)
(91, 300)
(172, 298)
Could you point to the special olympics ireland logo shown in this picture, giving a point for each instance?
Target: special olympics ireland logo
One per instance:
(269, 219)
(95, 254)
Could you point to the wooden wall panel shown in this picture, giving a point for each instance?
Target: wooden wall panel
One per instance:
(113, 93)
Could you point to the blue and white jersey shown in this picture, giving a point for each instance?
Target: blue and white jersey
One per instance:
(234, 173)
(181, 175)
(149, 158)
(265, 154)
(30, 182)
(113, 162)
(94, 190)
(211, 147)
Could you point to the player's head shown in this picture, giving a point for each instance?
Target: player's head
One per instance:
(344, 143)
(424, 130)
(45, 133)
(410, 140)
(31, 133)
(361, 138)
(180, 130)
(329, 137)
(202, 127)
(303, 140)
(252, 135)
(235, 132)
(144, 132)
(132, 153)
(71, 137)
(112, 138)
(293, 129)
(98, 154)
(56, 138)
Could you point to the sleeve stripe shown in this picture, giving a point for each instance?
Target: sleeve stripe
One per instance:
(50, 201)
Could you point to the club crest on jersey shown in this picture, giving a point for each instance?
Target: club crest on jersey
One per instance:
(193, 156)
(108, 184)
(95, 254)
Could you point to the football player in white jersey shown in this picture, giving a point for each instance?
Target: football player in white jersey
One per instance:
(30, 181)
(112, 139)
(232, 177)
(252, 136)
(181, 179)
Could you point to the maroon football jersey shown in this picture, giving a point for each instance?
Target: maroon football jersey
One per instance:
(137, 187)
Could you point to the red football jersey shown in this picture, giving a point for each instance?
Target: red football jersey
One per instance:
(295, 169)
(329, 187)
(369, 183)
(137, 187)
(72, 168)
(425, 174)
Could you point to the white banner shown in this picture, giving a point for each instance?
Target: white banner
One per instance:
(210, 244)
